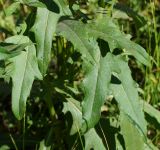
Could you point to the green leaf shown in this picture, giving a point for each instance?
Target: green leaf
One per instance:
(133, 139)
(12, 8)
(76, 32)
(5, 147)
(131, 135)
(96, 68)
(44, 28)
(139, 20)
(151, 111)
(42, 146)
(35, 3)
(93, 141)
(73, 106)
(64, 7)
(105, 29)
(96, 87)
(11, 50)
(23, 69)
(126, 95)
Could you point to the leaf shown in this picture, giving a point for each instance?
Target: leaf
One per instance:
(11, 50)
(23, 69)
(126, 95)
(139, 20)
(119, 145)
(76, 32)
(73, 106)
(151, 111)
(98, 67)
(96, 88)
(129, 129)
(105, 29)
(133, 139)
(97, 70)
(42, 146)
(4, 147)
(44, 28)
(64, 7)
(12, 8)
(93, 141)
(35, 3)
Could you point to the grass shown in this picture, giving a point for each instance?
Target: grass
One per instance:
(152, 84)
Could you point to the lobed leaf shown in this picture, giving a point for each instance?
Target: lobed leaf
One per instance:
(126, 94)
(23, 69)
(98, 67)
(105, 29)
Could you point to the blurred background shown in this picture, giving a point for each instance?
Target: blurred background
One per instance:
(140, 19)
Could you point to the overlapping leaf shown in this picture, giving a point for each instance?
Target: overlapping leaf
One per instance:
(23, 69)
(127, 96)
(105, 29)
(11, 50)
(98, 69)
(92, 140)
(76, 32)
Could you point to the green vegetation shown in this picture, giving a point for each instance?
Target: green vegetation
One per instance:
(79, 75)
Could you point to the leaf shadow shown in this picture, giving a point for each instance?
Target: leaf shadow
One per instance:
(104, 47)
(52, 6)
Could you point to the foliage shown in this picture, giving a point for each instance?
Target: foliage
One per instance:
(66, 67)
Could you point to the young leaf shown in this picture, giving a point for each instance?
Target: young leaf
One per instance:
(23, 69)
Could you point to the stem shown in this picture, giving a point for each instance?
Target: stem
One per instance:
(24, 125)
(13, 141)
